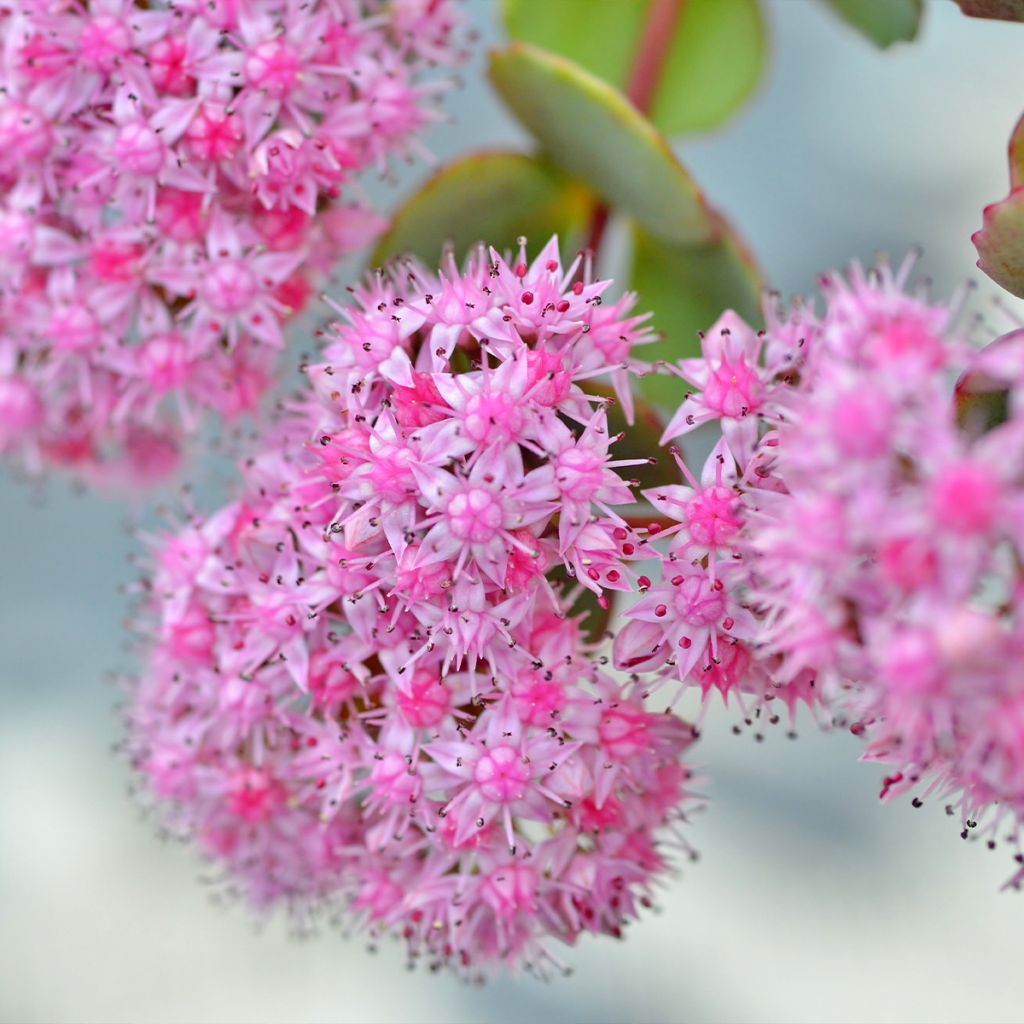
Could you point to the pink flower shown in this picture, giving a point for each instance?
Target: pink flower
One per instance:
(168, 175)
(883, 542)
(363, 685)
(733, 387)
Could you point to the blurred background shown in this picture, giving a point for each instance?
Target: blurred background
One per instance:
(811, 902)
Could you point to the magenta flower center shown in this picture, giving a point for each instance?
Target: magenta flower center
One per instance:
(579, 472)
(40, 58)
(536, 698)
(103, 42)
(139, 149)
(254, 798)
(180, 214)
(475, 515)
(908, 562)
(74, 328)
(425, 703)
(390, 474)
(493, 418)
(214, 136)
(966, 497)
(698, 603)
(112, 262)
(711, 517)
(425, 582)
(898, 337)
(24, 133)
(501, 775)
(861, 424)
(230, 286)
(392, 780)
(548, 379)
(623, 732)
(273, 66)
(733, 390)
(165, 360)
(330, 683)
(167, 66)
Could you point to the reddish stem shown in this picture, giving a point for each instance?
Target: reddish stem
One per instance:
(595, 233)
(652, 50)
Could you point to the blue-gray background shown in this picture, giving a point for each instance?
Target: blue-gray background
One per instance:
(811, 902)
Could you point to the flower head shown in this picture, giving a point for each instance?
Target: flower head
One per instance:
(170, 178)
(373, 653)
(877, 530)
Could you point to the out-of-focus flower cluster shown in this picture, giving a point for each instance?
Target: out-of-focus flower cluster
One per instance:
(856, 540)
(168, 183)
(364, 685)
(893, 563)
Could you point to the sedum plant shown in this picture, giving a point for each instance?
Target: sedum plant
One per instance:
(420, 674)
(175, 181)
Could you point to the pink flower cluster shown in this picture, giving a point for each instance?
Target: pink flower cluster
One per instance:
(364, 683)
(168, 177)
(891, 560)
(696, 625)
(856, 538)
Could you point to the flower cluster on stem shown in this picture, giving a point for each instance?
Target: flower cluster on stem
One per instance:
(364, 682)
(890, 557)
(176, 178)
(855, 540)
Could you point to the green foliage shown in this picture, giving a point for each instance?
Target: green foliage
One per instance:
(1017, 155)
(713, 68)
(688, 287)
(688, 264)
(884, 22)
(979, 411)
(715, 59)
(593, 132)
(1000, 242)
(492, 197)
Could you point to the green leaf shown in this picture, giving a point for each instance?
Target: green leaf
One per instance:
(980, 409)
(983, 398)
(1002, 10)
(713, 68)
(1017, 154)
(491, 197)
(688, 288)
(713, 63)
(592, 131)
(1000, 242)
(884, 22)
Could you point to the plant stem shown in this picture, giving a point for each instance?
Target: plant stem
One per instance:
(595, 232)
(654, 43)
(652, 52)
